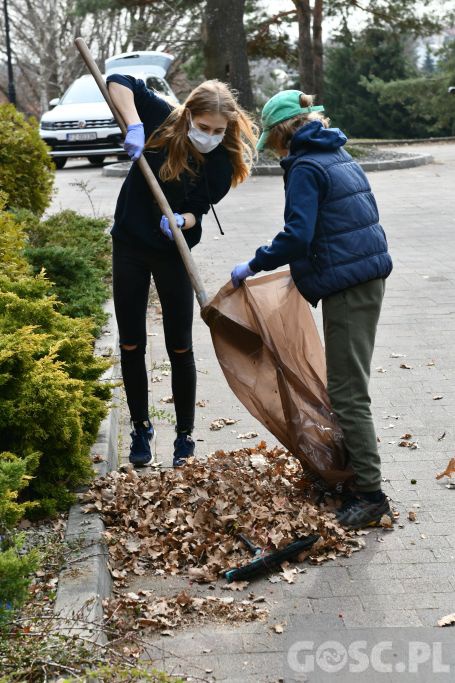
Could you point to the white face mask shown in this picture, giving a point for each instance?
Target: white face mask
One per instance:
(203, 142)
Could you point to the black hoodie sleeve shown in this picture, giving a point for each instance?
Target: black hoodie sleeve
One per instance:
(152, 108)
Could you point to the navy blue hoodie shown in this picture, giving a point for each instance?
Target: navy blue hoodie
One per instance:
(331, 238)
(304, 188)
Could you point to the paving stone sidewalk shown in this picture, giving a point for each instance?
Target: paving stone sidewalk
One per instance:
(405, 578)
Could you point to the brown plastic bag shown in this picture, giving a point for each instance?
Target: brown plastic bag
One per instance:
(269, 349)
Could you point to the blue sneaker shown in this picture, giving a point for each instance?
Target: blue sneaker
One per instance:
(183, 449)
(142, 437)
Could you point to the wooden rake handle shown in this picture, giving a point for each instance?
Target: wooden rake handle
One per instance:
(157, 192)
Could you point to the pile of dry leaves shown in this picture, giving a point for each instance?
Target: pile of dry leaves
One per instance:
(143, 610)
(187, 520)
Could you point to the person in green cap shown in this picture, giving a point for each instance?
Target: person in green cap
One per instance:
(337, 251)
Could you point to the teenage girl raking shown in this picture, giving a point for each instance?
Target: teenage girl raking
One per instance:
(197, 150)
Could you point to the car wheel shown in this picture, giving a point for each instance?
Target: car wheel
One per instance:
(60, 161)
(96, 160)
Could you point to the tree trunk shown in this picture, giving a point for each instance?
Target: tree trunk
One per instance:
(225, 49)
(318, 67)
(305, 46)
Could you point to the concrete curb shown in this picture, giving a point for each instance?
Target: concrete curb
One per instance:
(385, 165)
(399, 142)
(121, 170)
(395, 164)
(86, 581)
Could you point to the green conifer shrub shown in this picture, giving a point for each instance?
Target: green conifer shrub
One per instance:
(12, 244)
(15, 474)
(15, 566)
(51, 396)
(75, 252)
(26, 169)
(15, 570)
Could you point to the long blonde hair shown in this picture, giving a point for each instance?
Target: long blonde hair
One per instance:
(280, 135)
(239, 140)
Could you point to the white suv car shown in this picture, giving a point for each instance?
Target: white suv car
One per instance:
(80, 124)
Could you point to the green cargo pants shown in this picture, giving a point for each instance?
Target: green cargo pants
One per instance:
(350, 320)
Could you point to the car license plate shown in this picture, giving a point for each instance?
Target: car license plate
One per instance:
(81, 137)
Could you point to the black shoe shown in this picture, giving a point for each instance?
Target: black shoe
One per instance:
(183, 449)
(141, 439)
(358, 512)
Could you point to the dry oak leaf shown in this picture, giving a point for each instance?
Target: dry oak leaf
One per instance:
(289, 574)
(221, 422)
(279, 628)
(405, 366)
(248, 435)
(449, 470)
(412, 516)
(167, 399)
(448, 620)
(202, 574)
(386, 522)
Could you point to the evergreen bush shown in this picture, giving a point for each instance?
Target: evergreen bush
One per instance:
(75, 252)
(412, 96)
(375, 88)
(15, 570)
(15, 565)
(51, 396)
(26, 169)
(52, 399)
(12, 244)
(15, 474)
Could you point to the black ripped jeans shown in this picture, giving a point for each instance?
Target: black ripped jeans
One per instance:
(132, 269)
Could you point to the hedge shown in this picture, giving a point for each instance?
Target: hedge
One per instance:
(52, 400)
(51, 396)
(74, 250)
(26, 169)
(15, 565)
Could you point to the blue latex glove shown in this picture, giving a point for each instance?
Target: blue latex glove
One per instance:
(240, 272)
(166, 228)
(134, 141)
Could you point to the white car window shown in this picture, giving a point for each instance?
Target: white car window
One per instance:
(82, 91)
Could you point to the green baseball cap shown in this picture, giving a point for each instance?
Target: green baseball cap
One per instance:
(281, 107)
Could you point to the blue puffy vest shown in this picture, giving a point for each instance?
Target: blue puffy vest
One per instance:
(349, 246)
